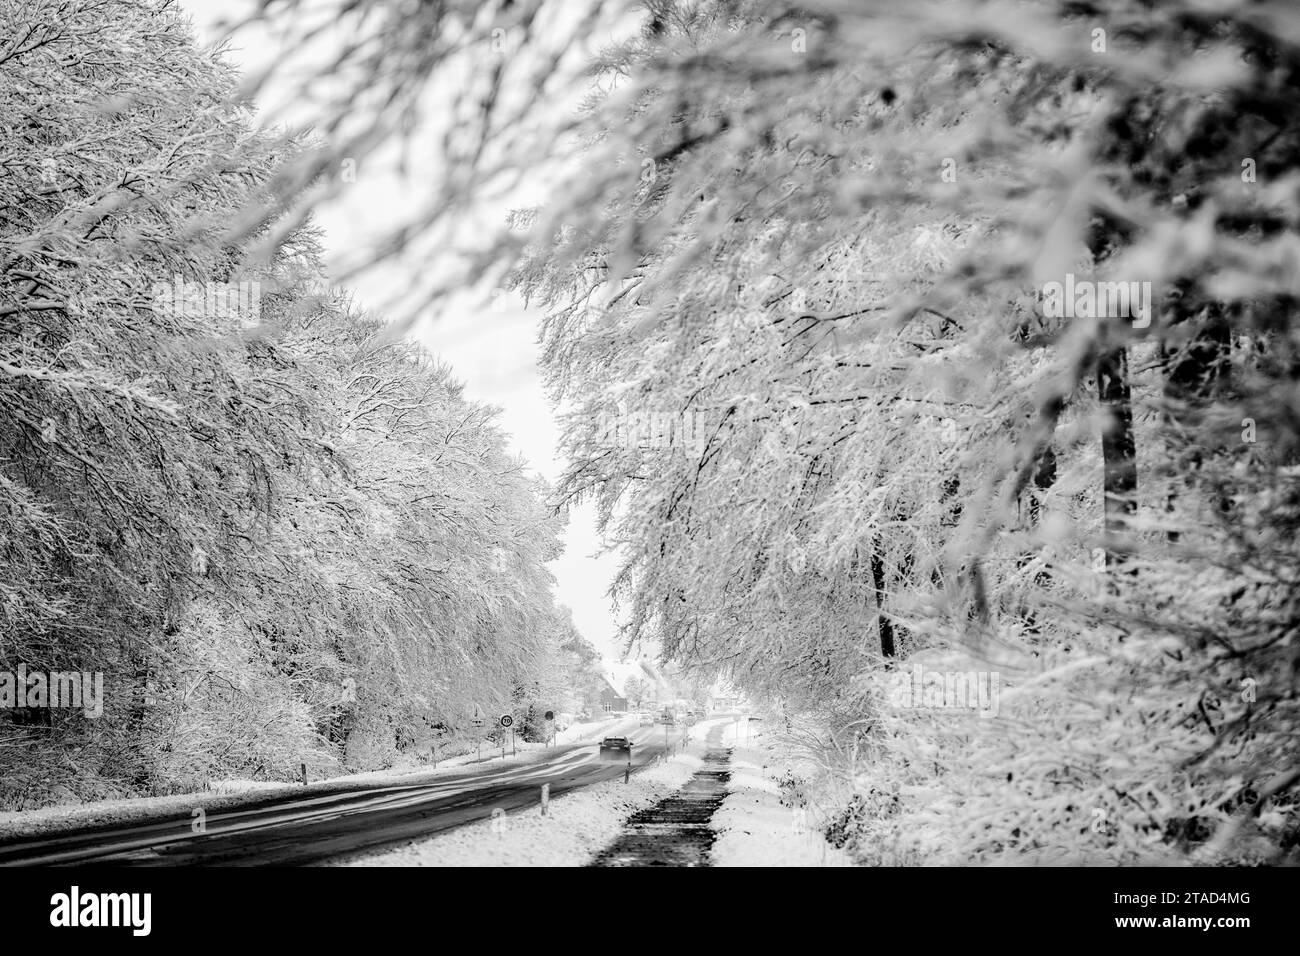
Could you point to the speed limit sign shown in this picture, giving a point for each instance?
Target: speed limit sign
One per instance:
(507, 720)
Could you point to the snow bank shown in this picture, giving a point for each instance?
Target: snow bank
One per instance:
(754, 827)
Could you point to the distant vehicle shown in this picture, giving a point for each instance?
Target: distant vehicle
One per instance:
(616, 748)
(647, 719)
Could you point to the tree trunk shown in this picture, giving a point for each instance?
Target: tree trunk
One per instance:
(878, 580)
(1044, 478)
(1119, 454)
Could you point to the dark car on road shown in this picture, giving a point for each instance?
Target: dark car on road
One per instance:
(616, 748)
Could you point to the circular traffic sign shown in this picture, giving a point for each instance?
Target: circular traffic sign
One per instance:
(550, 715)
(507, 720)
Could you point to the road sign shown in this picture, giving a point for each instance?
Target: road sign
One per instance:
(477, 719)
(550, 715)
(507, 720)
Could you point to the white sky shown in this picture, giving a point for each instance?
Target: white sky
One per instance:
(492, 350)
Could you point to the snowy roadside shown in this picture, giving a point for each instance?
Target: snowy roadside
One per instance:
(754, 828)
(229, 794)
(577, 824)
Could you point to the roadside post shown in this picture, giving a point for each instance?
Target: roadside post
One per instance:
(506, 722)
(546, 797)
(477, 721)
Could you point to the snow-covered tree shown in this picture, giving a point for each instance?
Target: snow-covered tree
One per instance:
(820, 251)
(281, 534)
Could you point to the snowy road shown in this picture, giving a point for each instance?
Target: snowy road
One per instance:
(305, 829)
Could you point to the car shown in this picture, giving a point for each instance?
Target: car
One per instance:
(616, 748)
(647, 719)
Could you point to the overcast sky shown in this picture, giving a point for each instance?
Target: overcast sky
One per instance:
(492, 350)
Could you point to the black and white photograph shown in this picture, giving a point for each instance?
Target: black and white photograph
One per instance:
(844, 435)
